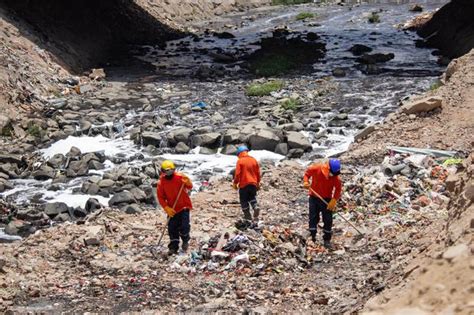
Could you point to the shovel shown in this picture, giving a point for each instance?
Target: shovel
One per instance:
(340, 215)
(168, 219)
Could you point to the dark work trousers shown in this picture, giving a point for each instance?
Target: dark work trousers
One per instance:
(316, 207)
(179, 226)
(248, 197)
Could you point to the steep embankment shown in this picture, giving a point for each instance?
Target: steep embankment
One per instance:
(451, 29)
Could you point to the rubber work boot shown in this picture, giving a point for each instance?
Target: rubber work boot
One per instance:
(327, 244)
(247, 215)
(185, 246)
(256, 214)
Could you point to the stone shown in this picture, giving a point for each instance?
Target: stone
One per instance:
(10, 158)
(217, 118)
(232, 136)
(295, 153)
(55, 208)
(451, 182)
(375, 58)
(18, 227)
(77, 168)
(84, 88)
(131, 209)
(297, 140)
(416, 8)
(422, 105)
(264, 140)
(93, 235)
(44, 173)
(92, 205)
(97, 74)
(296, 126)
(341, 116)
(207, 151)
(229, 149)
(364, 133)
(124, 197)
(359, 49)
(339, 72)
(151, 138)
(314, 114)
(138, 194)
(282, 148)
(181, 148)
(208, 140)
(469, 192)
(5, 125)
(95, 165)
(74, 152)
(79, 212)
(57, 161)
(182, 135)
(106, 183)
(456, 252)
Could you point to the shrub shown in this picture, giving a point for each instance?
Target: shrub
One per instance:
(290, 104)
(35, 130)
(263, 89)
(305, 15)
(435, 85)
(374, 18)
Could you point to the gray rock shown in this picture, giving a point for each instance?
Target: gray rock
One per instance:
(74, 152)
(95, 165)
(207, 151)
(44, 173)
(10, 158)
(314, 114)
(282, 148)
(151, 138)
(53, 209)
(18, 227)
(124, 197)
(63, 217)
(375, 58)
(181, 148)
(57, 161)
(5, 185)
(131, 209)
(5, 124)
(138, 194)
(232, 136)
(264, 140)
(77, 168)
(208, 140)
(423, 105)
(79, 212)
(182, 135)
(339, 72)
(229, 149)
(92, 205)
(297, 140)
(296, 126)
(295, 153)
(106, 183)
(359, 49)
(364, 133)
(341, 116)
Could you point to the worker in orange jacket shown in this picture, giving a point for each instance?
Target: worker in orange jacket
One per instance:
(326, 184)
(247, 181)
(172, 191)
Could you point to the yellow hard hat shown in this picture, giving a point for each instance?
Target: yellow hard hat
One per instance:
(167, 165)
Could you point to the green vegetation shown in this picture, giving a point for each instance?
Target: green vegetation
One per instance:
(257, 89)
(374, 18)
(272, 65)
(290, 104)
(289, 2)
(435, 85)
(305, 15)
(7, 131)
(35, 130)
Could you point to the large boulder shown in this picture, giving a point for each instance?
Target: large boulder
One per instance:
(77, 168)
(297, 140)
(44, 173)
(208, 140)
(423, 105)
(56, 161)
(264, 140)
(92, 205)
(375, 58)
(55, 208)
(122, 198)
(181, 135)
(182, 148)
(232, 136)
(151, 138)
(359, 49)
(18, 227)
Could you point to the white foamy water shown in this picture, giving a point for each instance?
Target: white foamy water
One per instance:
(111, 147)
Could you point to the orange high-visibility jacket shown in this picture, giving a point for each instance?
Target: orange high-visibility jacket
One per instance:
(326, 186)
(247, 171)
(168, 189)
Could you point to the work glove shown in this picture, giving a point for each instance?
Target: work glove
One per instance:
(235, 186)
(170, 211)
(186, 181)
(332, 204)
(306, 185)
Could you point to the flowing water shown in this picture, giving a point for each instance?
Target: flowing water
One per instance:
(365, 98)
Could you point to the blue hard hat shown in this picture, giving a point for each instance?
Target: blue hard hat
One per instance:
(241, 149)
(335, 166)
